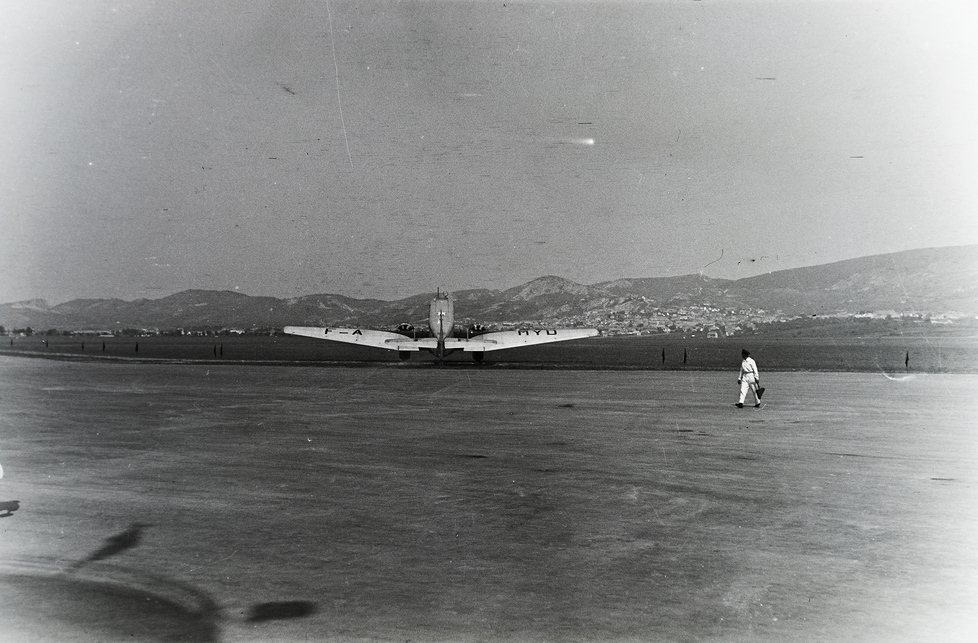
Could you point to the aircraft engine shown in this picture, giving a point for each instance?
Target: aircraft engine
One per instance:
(477, 329)
(405, 327)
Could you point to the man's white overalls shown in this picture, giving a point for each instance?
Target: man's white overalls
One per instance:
(749, 379)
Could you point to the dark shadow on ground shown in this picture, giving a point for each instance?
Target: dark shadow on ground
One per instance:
(96, 600)
(58, 607)
(8, 508)
(280, 610)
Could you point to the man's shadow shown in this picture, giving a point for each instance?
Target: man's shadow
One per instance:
(8, 508)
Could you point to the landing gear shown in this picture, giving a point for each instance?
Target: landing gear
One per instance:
(404, 355)
(478, 356)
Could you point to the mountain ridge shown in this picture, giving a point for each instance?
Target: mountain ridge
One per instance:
(925, 281)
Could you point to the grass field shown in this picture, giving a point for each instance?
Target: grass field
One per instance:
(886, 354)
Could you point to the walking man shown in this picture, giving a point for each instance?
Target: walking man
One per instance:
(749, 379)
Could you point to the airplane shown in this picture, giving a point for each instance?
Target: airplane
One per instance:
(442, 337)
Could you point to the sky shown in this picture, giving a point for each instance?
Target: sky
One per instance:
(387, 148)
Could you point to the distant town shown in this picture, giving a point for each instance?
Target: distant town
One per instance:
(715, 323)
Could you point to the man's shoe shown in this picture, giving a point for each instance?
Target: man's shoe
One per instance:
(757, 406)
(740, 405)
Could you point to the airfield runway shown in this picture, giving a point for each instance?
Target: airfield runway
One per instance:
(267, 503)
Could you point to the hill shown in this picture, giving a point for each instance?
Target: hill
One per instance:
(941, 281)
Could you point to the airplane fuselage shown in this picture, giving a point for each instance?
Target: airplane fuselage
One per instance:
(441, 321)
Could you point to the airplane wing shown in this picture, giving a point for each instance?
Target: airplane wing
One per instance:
(479, 344)
(363, 336)
(512, 338)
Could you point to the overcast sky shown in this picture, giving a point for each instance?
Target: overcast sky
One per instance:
(387, 148)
